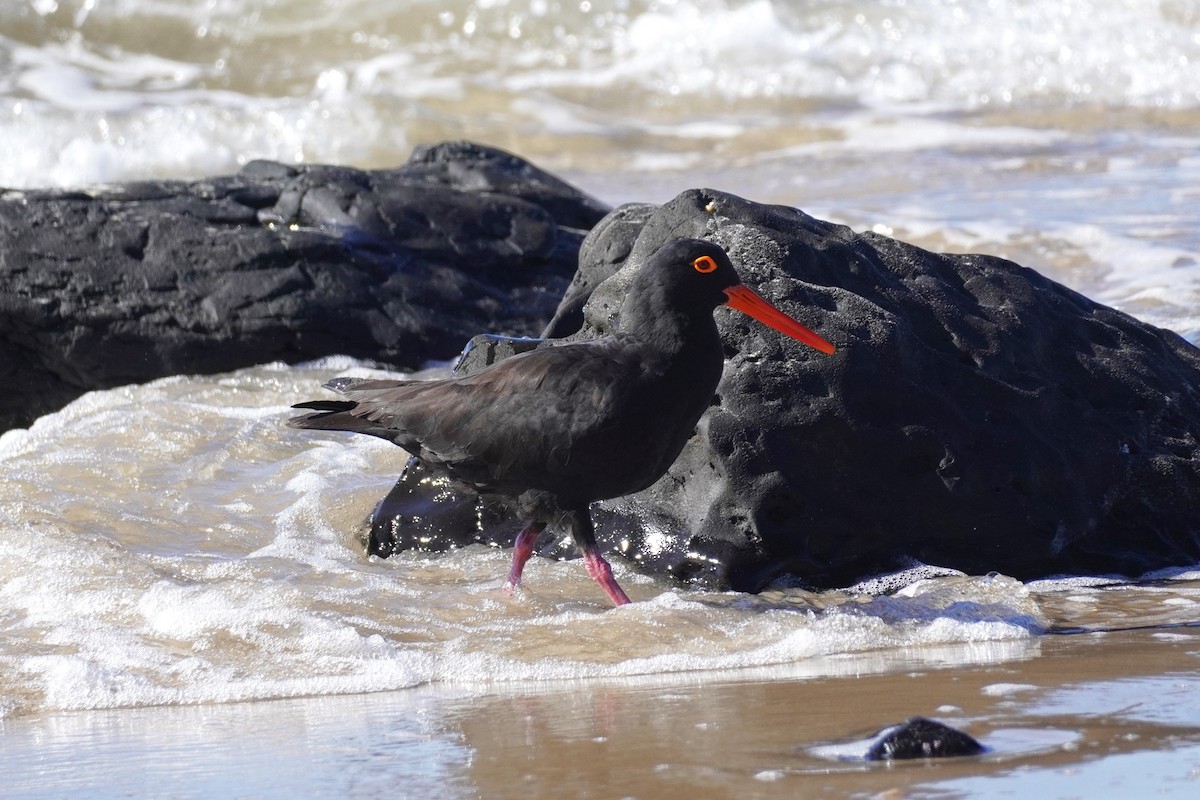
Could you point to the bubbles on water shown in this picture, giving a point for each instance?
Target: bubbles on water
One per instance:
(221, 563)
(896, 581)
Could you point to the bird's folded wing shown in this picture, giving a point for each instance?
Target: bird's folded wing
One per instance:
(524, 414)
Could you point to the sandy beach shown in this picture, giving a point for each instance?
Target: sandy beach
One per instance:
(1062, 716)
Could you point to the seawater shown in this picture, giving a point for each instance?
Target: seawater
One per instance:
(172, 545)
(175, 543)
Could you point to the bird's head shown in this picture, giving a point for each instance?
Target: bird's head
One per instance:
(699, 274)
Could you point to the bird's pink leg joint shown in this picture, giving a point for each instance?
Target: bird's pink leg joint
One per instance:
(522, 550)
(601, 573)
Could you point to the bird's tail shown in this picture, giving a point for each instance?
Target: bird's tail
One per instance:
(326, 410)
(366, 412)
(333, 415)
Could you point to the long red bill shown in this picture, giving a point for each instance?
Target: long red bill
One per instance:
(746, 300)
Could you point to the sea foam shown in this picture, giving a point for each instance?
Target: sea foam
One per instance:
(190, 548)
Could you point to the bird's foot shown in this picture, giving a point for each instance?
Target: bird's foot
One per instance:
(601, 573)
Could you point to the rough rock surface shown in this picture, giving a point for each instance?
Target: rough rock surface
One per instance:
(919, 737)
(132, 282)
(977, 416)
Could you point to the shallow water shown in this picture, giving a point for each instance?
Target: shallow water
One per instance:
(169, 551)
(170, 546)
(1061, 716)
(174, 543)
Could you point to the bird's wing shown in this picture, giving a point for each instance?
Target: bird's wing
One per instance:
(521, 417)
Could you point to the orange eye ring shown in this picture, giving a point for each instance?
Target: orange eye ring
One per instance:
(704, 264)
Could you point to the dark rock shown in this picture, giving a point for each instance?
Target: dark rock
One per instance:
(977, 416)
(423, 505)
(470, 167)
(604, 251)
(132, 282)
(922, 738)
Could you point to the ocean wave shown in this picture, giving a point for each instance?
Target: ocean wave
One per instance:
(101, 92)
(968, 54)
(174, 543)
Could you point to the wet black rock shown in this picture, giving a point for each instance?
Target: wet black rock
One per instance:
(922, 738)
(127, 283)
(977, 416)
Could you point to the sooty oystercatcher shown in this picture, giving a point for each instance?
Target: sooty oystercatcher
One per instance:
(554, 429)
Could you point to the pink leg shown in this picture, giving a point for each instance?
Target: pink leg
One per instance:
(522, 550)
(601, 573)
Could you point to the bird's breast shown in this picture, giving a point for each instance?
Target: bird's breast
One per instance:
(641, 429)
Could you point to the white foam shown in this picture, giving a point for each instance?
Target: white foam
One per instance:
(846, 751)
(86, 109)
(984, 54)
(219, 563)
(897, 581)
(70, 76)
(1006, 689)
(1174, 573)
(210, 136)
(873, 132)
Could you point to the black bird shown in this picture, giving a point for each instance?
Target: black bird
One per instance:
(555, 429)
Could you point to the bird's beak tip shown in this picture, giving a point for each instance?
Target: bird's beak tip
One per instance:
(746, 300)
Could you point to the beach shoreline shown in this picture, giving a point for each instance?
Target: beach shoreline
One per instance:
(1060, 717)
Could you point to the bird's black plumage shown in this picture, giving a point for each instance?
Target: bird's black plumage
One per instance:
(557, 428)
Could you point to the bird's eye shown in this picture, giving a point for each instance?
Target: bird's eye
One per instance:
(704, 264)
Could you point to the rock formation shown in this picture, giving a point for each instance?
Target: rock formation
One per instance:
(128, 283)
(977, 416)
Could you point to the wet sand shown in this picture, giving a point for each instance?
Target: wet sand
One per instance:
(1063, 716)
